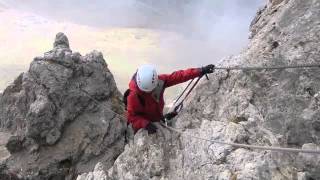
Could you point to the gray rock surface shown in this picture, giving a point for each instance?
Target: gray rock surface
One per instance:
(59, 131)
(97, 174)
(4, 154)
(61, 41)
(264, 107)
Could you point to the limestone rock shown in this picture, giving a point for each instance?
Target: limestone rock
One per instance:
(4, 154)
(310, 163)
(275, 2)
(14, 144)
(97, 174)
(60, 131)
(61, 41)
(263, 107)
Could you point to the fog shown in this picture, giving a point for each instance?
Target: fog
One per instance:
(177, 14)
(189, 33)
(205, 30)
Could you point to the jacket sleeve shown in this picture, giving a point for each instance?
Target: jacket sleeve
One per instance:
(180, 76)
(134, 112)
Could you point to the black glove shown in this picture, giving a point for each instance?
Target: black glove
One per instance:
(170, 115)
(151, 128)
(207, 69)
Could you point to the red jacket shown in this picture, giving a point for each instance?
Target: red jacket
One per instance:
(140, 115)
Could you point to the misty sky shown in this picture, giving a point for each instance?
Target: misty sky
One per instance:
(144, 13)
(172, 34)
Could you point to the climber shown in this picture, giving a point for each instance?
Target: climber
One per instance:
(144, 98)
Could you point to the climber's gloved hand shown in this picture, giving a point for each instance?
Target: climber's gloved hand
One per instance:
(151, 128)
(170, 115)
(207, 69)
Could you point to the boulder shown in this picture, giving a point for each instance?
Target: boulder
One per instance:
(65, 114)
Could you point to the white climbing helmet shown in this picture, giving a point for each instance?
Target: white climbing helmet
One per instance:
(147, 78)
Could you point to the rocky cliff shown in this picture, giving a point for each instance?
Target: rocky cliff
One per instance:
(58, 131)
(263, 107)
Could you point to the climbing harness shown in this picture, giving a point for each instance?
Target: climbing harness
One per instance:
(178, 107)
(180, 104)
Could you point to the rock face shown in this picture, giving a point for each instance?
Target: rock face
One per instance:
(263, 107)
(3, 150)
(98, 173)
(60, 131)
